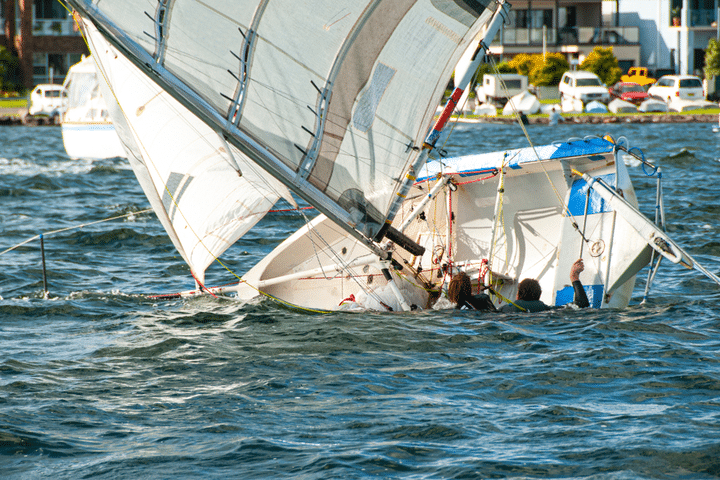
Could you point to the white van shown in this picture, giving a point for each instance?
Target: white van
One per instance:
(48, 99)
(492, 90)
(583, 85)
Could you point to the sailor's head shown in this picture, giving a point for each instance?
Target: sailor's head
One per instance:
(459, 287)
(529, 289)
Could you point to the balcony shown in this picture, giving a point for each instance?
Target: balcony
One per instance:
(570, 36)
(54, 27)
(702, 18)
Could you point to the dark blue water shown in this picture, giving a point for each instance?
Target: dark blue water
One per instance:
(99, 381)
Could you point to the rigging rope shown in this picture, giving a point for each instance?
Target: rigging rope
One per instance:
(52, 232)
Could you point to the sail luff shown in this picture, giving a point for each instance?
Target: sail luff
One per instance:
(206, 112)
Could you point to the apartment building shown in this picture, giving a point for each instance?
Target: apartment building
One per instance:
(45, 38)
(674, 33)
(572, 28)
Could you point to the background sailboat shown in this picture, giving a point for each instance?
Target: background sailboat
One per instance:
(87, 130)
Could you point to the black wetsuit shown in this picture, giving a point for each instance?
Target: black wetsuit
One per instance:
(476, 302)
(581, 301)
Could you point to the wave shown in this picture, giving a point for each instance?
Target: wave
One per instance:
(683, 154)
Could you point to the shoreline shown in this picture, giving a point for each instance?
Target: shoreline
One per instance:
(11, 116)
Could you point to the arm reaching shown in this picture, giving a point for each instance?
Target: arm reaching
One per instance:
(581, 299)
(576, 269)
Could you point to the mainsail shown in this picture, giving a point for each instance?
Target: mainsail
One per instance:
(331, 97)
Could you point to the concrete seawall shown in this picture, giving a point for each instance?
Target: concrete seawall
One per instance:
(14, 116)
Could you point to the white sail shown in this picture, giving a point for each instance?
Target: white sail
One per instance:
(205, 193)
(333, 97)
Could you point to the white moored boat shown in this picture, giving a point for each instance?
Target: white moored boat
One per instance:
(87, 129)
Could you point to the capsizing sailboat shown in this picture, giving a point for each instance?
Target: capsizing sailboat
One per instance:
(226, 107)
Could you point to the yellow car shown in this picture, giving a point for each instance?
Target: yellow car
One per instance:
(638, 75)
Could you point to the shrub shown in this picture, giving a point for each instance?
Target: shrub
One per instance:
(603, 63)
(524, 64)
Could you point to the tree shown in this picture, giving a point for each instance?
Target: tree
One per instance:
(549, 71)
(9, 64)
(9, 12)
(603, 63)
(712, 59)
(524, 64)
(505, 67)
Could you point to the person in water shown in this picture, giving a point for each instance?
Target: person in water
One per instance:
(460, 293)
(529, 291)
(528, 296)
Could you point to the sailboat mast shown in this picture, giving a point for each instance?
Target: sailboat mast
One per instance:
(493, 27)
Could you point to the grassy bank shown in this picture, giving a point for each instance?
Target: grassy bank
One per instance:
(14, 102)
(700, 115)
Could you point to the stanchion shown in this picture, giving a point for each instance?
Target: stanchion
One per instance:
(42, 252)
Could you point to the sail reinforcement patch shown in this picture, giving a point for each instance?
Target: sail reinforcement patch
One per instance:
(366, 108)
(176, 185)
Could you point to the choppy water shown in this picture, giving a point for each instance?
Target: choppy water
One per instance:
(101, 382)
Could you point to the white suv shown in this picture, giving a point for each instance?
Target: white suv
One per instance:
(670, 87)
(583, 85)
(48, 99)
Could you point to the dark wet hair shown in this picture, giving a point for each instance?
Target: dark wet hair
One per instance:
(529, 289)
(459, 287)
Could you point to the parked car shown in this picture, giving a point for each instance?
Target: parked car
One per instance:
(638, 75)
(583, 85)
(630, 92)
(48, 99)
(686, 87)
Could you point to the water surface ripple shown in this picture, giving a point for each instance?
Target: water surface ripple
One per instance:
(99, 381)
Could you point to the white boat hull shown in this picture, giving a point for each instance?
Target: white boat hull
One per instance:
(621, 106)
(92, 140)
(524, 102)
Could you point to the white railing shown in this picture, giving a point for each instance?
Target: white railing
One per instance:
(570, 36)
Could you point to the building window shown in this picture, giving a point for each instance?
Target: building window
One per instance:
(519, 18)
(52, 67)
(567, 17)
(542, 18)
(522, 18)
(675, 10)
(49, 9)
